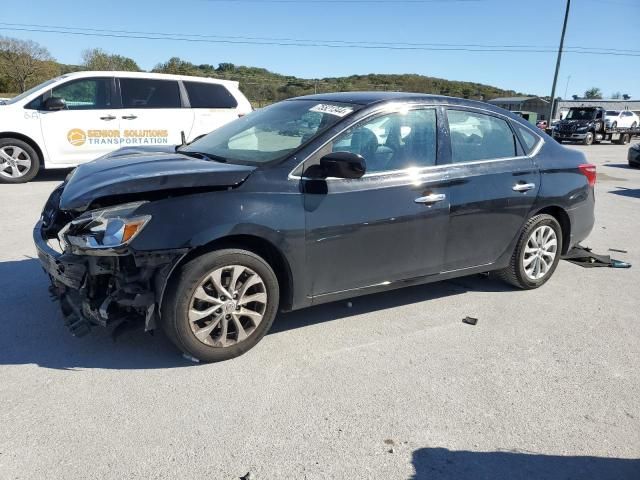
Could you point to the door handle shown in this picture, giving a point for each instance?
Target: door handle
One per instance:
(129, 117)
(432, 198)
(108, 117)
(523, 187)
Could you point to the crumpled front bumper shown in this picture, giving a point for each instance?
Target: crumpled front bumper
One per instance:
(106, 289)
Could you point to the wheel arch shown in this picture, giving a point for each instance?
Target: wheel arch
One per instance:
(26, 139)
(561, 215)
(258, 245)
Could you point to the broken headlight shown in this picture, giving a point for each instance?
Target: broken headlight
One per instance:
(105, 228)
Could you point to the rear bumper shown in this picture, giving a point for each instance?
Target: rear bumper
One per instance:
(582, 218)
(102, 290)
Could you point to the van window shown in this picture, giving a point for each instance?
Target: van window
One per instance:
(149, 93)
(475, 136)
(209, 95)
(81, 94)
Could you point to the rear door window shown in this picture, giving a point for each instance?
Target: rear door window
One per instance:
(209, 95)
(529, 139)
(149, 93)
(476, 136)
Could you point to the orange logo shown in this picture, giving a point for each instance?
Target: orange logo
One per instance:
(76, 137)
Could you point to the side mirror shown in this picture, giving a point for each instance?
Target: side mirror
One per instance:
(53, 104)
(343, 165)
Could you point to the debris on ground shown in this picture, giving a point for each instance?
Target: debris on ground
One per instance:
(584, 257)
(470, 320)
(617, 250)
(190, 358)
(248, 476)
(392, 450)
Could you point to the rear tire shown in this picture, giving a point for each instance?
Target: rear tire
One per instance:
(19, 162)
(531, 251)
(203, 285)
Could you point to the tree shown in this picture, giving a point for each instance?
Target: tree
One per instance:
(177, 66)
(24, 62)
(593, 93)
(616, 95)
(98, 59)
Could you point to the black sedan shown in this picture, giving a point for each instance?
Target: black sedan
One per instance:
(634, 156)
(310, 200)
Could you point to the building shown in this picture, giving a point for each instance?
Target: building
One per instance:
(563, 106)
(523, 104)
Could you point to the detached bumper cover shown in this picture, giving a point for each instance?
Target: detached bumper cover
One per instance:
(102, 290)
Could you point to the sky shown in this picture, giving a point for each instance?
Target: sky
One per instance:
(602, 24)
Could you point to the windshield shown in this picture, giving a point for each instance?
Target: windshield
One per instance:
(612, 113)
(30, 91)
(581, 114)
(271, 133)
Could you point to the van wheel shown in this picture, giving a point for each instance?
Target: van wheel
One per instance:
(19, 162)
(220, 304)
(588, 140)
(536, 255)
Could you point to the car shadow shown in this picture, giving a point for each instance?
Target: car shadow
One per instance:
(32, 329)
(55, 175)
(385, 300)
(444, 464)
(627, 192)
(618, 165)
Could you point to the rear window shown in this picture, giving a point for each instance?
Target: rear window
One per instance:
(209, 95)
(612, 113)
(148, 93)
(529, 139)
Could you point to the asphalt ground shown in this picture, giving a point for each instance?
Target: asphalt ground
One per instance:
(395, 386)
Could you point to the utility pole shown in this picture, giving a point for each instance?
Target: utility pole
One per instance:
(555, 76)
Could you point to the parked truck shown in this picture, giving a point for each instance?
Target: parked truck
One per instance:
(587, 125)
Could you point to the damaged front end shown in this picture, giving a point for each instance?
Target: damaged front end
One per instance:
(97, 277)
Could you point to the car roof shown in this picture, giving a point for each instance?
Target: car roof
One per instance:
(158, 76)
(371, 98)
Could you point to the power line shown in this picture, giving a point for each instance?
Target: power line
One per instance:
(299, 43)
(289, 39)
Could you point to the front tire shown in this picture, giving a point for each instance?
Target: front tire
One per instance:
(588, 140)
(219, 305)
(536, 255)
(19, 162)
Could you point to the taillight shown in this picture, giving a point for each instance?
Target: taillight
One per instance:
(589, 171)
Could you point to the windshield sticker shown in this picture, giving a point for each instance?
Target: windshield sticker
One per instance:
(332, 109)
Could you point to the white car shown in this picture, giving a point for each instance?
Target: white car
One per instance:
(78, 117)
(623, 119)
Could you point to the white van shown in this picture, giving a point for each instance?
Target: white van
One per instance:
(78, 117)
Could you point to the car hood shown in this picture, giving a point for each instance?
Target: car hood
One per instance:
(131, 171)
(576, 122)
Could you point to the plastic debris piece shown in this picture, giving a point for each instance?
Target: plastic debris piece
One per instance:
(470, 320)
(584, 257)
(190, 358)
(248, 476)
(617, 250)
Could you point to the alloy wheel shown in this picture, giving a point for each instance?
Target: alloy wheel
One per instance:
(14, 162)
(227, 306)
(540, 252)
